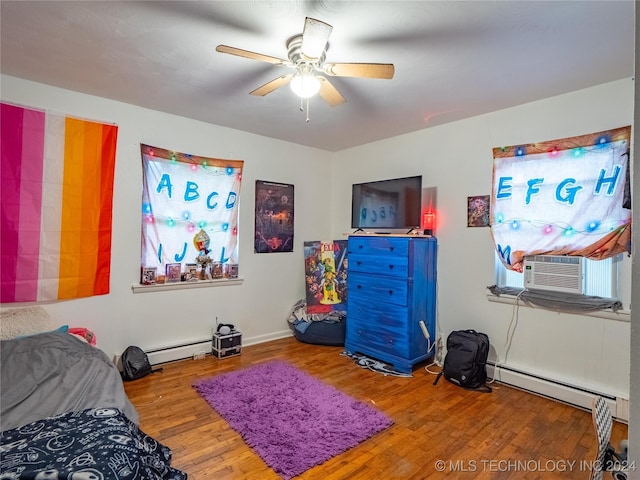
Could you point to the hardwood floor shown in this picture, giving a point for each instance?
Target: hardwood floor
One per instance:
(440, 431)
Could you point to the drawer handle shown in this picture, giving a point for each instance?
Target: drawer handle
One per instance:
(360, 247)
(359, 263)
(391, 248)
(390, 267)
(358, 287)
(390, 292)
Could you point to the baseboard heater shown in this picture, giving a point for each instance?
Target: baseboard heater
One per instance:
(196, 348)
(566, 393)
(179, 352)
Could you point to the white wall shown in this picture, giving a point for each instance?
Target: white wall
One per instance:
(272, 282)
(457, 159)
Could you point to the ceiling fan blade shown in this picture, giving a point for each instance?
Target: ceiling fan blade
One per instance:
(314, 38)
(329, 93)
(366, 70)
(272, 85)
(252, 55)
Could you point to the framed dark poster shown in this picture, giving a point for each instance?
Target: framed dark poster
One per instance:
(273, 218)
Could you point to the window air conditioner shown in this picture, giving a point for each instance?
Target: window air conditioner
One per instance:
(554, 272)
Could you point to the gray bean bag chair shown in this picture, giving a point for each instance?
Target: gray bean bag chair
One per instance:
(316, 328)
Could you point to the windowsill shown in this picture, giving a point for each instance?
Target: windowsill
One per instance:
(163, 287)
(621, 315)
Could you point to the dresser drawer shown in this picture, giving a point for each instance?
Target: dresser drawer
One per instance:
(385, 314)
(376, 288)
(378, 337)
(381, 246)
(389, 265)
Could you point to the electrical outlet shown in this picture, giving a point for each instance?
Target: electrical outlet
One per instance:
(199, 355)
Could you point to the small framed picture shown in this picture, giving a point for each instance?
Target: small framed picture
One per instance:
(190, 272)
(216, 270)
(173, 272)
(148, 276)
(478, 209)
(232, 271)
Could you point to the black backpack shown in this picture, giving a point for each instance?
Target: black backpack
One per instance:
(135, 363)
(465, 363)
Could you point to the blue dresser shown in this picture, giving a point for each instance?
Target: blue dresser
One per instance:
(392, 287)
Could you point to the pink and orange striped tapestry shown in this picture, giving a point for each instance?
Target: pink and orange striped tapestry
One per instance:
(57, 191)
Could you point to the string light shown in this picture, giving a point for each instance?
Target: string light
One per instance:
(593, 225)
(185, 218)
(577, 152)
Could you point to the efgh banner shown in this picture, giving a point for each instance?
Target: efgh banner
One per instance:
(562, 197)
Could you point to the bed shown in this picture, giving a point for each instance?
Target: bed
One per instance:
(64, 414)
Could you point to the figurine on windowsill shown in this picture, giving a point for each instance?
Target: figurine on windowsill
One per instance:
(201, 242)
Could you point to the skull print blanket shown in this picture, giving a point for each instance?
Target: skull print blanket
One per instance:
(98, 443)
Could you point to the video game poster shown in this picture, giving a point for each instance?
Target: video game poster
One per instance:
(325, 264)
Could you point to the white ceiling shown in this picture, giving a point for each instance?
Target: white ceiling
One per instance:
(453, 59)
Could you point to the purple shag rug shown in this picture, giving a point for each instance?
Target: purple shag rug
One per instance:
(292, 420)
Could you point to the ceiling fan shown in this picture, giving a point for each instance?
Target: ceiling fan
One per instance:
(306, 54)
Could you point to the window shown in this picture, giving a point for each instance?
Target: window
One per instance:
(601, 276)
(189, 217)
(562, 196)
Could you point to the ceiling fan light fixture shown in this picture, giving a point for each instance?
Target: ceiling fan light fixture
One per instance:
(305, 85)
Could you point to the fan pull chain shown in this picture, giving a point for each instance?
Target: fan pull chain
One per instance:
(302, 108)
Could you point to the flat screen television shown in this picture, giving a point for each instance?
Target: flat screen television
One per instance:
(387, 204)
